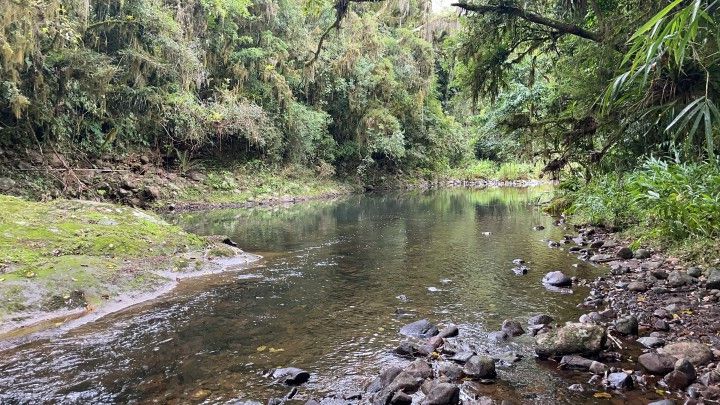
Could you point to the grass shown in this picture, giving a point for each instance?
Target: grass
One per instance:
(50, 250)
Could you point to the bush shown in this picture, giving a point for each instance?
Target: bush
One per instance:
(669, 200)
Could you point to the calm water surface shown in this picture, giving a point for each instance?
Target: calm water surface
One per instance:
(326, 298)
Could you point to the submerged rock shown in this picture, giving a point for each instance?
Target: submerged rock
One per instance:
(420, 329)
(573, 338)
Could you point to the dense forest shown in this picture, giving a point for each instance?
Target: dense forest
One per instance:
(592, 91)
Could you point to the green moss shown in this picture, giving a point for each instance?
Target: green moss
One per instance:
(51, 249)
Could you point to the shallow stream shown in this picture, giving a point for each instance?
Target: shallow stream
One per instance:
(337, 281)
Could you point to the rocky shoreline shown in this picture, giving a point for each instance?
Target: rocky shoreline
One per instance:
(650, 335)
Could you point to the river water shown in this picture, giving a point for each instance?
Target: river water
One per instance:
(337, 281)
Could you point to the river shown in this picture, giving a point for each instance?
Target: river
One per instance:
(337, 281)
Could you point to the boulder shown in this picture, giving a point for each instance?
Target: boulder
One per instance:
(697, 353)
(642, 254)
(656, 363)
(557, 279)
(694, 272)
(679, 279)
(687, 368)
(627, 325)
(625, 253)
(400, 398)
(512, 328)
(291, 375)
(451, 371)
(442, 394)
(387, 375)
(573, 338)
(676, 380)
(419, 329)
(480, 367)
(713, 279)
(620, 381)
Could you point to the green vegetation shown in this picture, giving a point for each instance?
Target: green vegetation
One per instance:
(68, 254)
(667, 203)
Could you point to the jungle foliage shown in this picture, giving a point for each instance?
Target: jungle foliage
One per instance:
(225, 77)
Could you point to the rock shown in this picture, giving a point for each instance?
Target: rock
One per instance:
(597, 244)
(678, 279)
(508, 358)
(637, 286)
(676, 380)
(697, 353)
(601, 258)
(659, 273)
(462, 357)
(409, 349)
(407, 381)
(573, 338)
(620, 381)
(400, 398)
(694, 272)
(656, 363)
(713, 279)
(661, 325)
(627, 325)
(451, 371)
(443, 394)
(553, 244)
(480, 367)
(576, 388)
(557, 279)
(498, 336)
(420, 329)
(291, 375)
(6, 184)
(642, 254)
(625, 253)
(598, 368)
(573, 362)
(651, 342)
(686, 368)
(435, 342)
(151, 193)
(538, 227)
(144, 159)
(540, 320)
(449, 331)
(710, 378)
(512, 328)
(520, 270)
(387, 375)
(662, 402)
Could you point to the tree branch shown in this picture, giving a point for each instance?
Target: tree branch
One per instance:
(560, 26)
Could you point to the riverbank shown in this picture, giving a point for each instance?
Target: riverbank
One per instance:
(68, 259)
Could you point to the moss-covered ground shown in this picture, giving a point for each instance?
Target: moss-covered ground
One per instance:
(67, 254)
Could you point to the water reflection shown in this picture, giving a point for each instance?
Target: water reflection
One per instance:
(324, 299)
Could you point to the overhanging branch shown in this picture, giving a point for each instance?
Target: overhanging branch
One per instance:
(560, 26)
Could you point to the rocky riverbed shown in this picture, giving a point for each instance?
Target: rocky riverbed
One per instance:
(650, 335)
